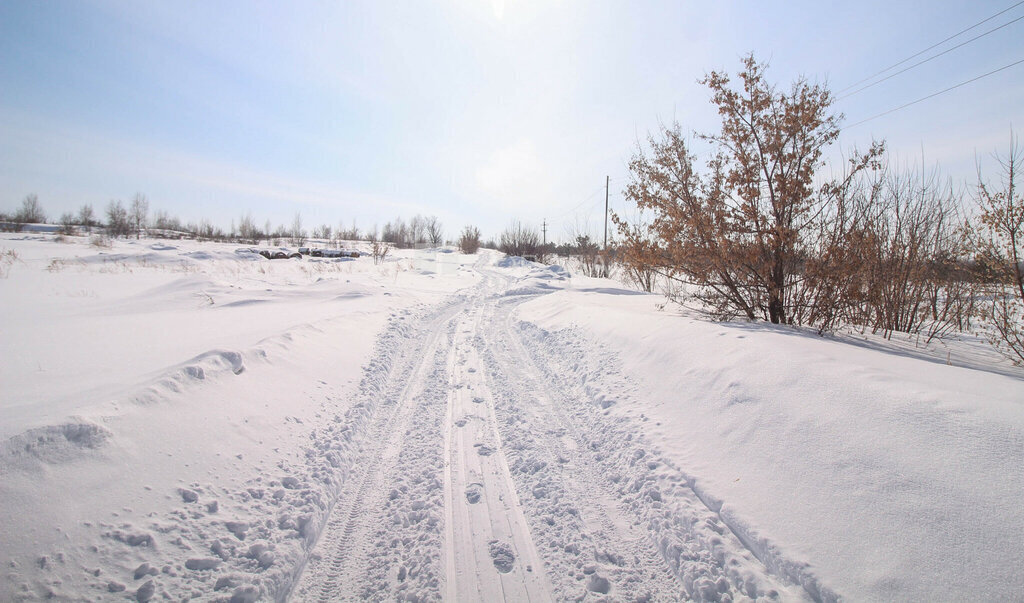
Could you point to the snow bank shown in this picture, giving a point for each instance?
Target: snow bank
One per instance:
(513, 261)
(539, 279)
(862, 471)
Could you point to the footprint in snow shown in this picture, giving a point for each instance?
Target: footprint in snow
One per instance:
(501, 555)
(474, 492)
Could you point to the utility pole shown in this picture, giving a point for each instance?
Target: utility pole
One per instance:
(544, 246)
(606, 180)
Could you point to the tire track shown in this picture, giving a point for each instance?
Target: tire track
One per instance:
(591, 548)
(694, 543)
(489, 550)
(335, 569)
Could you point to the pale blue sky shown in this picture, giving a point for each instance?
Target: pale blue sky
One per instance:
(477, 111)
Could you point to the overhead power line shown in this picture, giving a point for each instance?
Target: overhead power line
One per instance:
(937, 44)
(905, 69)
(581, 203)
(584, 202)
(924, 98)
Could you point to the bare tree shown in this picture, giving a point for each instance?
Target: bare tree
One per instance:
(247, 230)
(166, 222)
(86, 217)
(118, 223)
(322, 232)
(768, 152)
(279, 234)
(435, 234)
(739, 230)
(417, 230)
(298, 236)
(348, 234)
(31, 212)
(138, 213)
(398, 233)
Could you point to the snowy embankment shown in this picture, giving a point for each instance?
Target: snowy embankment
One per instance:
(160, 406)
(863, 470)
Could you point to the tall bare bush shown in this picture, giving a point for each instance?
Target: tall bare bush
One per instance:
(519, 240)
(469, 242)
(737, 233)
(904, 256)
(118, 222)
(1001, 253)
(635, 251)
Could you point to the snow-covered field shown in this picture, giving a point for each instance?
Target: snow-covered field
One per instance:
(180, 420)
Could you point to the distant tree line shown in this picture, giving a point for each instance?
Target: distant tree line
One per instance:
(419, 231)
(122, 219)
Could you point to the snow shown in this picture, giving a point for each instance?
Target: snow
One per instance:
(185, 420)
(881, 474)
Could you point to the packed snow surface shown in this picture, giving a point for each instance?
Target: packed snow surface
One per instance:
(190, 420)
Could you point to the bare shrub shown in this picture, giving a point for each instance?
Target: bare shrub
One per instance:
(7, 259)
(588, 254)
(635, 252)
(519, 240)
(1000, 251)
(67, 224)
(101, 241)
(911, 247)
(469, 242)
(379, 251)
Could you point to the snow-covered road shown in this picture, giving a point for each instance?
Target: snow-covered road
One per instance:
(479, 478)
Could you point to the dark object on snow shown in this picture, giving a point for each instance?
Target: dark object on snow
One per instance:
(279, 254)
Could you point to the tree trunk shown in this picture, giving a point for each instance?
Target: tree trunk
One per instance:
(776, 309)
